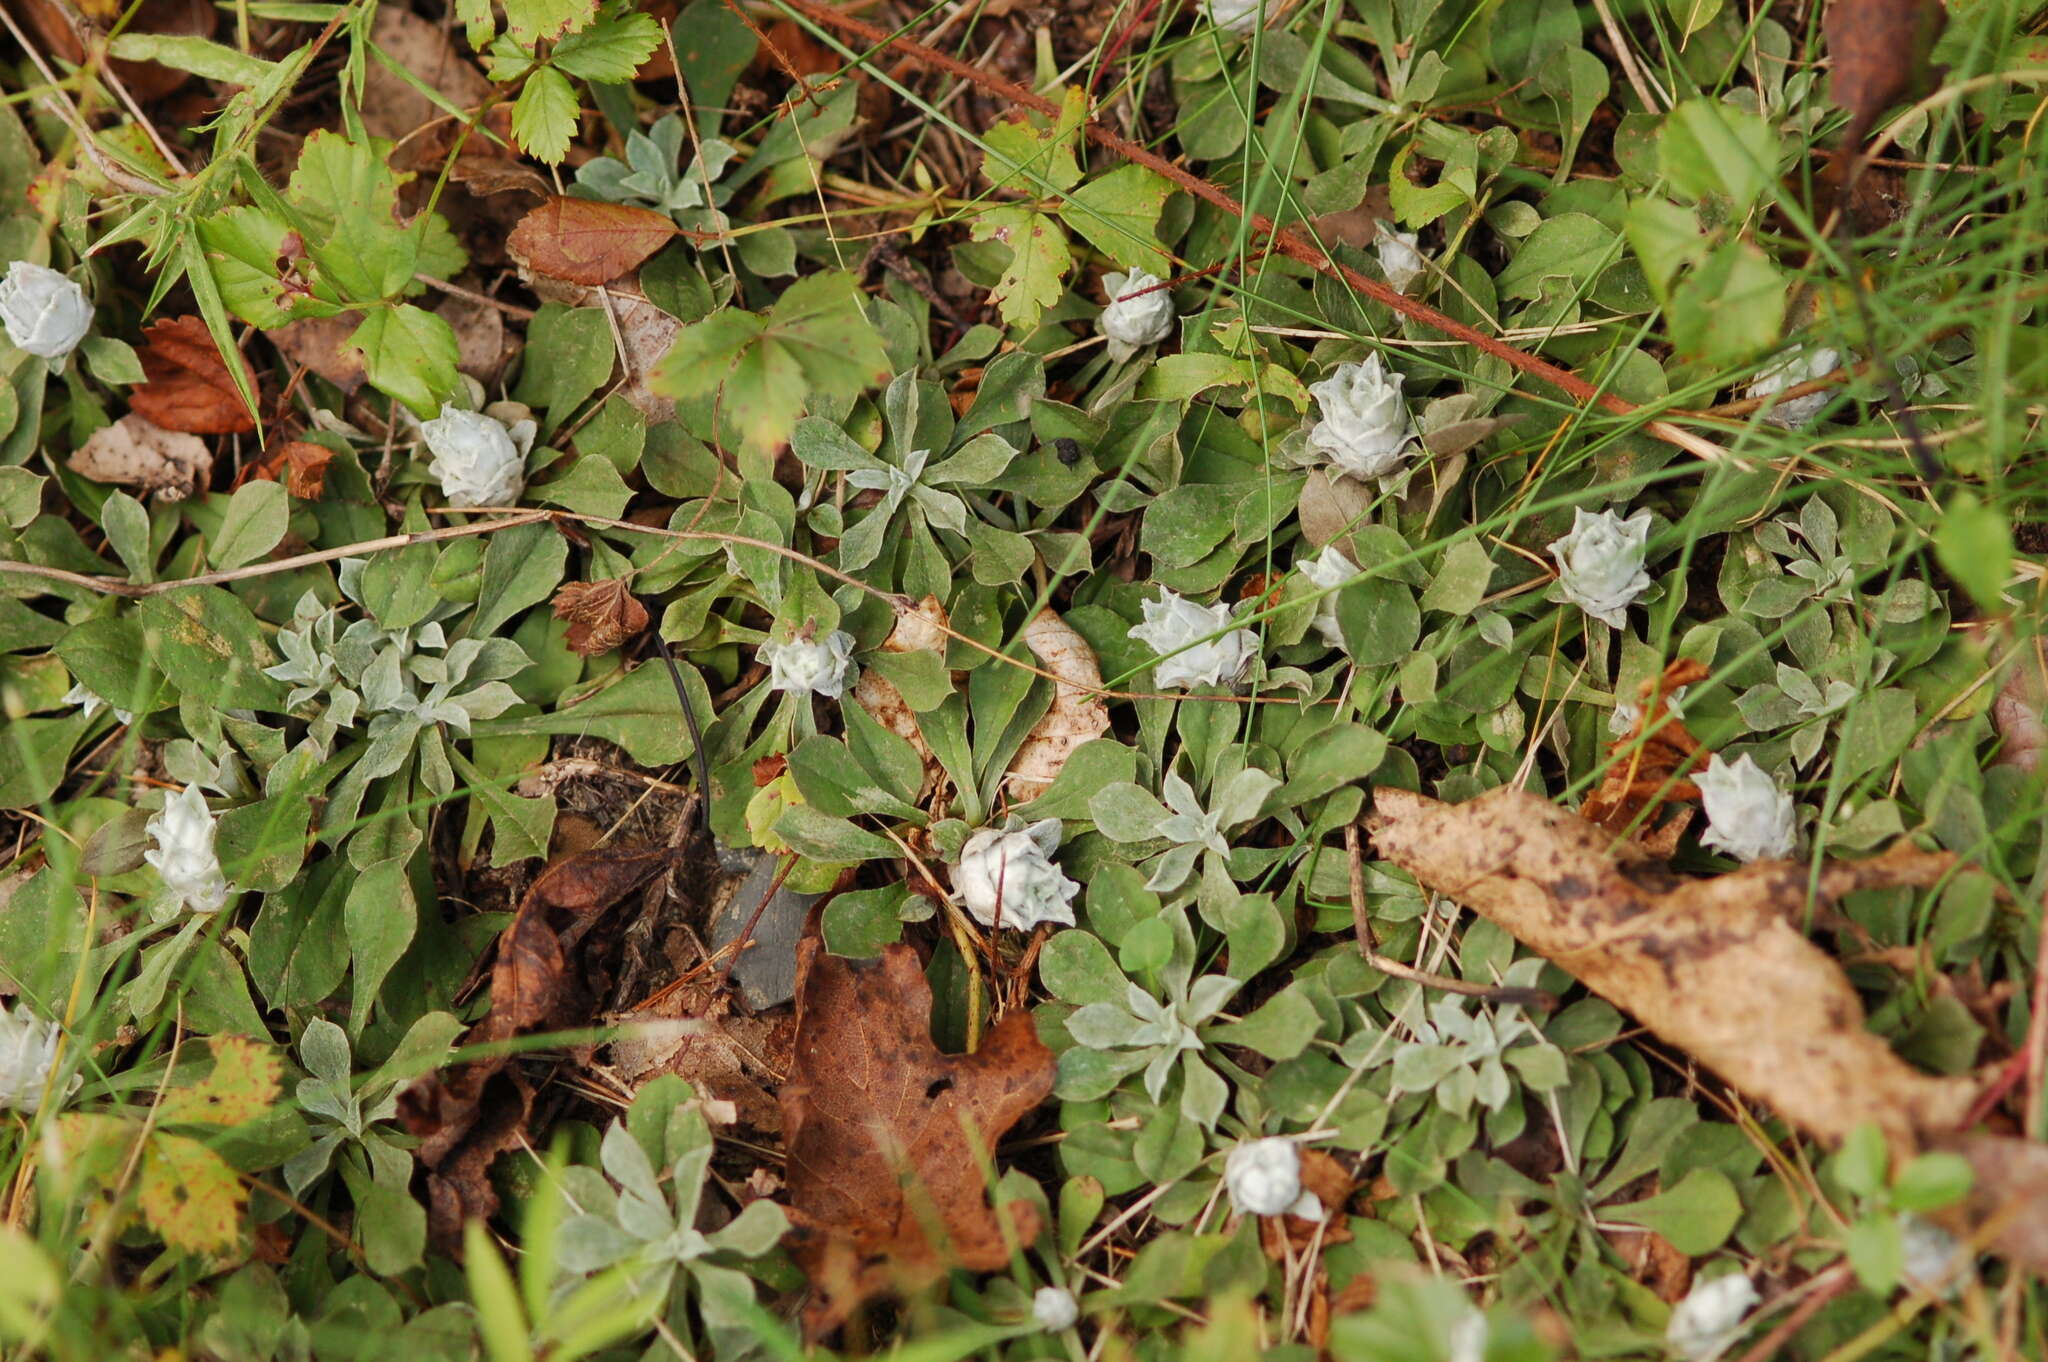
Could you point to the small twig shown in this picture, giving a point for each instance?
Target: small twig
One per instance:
(512, 310)
(1368, 946)
(1286, 240)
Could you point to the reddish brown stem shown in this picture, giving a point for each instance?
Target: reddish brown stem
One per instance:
(1286, 240)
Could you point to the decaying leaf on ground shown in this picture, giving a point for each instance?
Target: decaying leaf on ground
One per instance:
(694, 1032)
(300, 465)
(136, 452)
(916, 630)
(320, 344)
(187, 384)
(1643, 767)
(588, 241)
(1878, 54)
(602, 615)
(468, 1114)
(1716, 967)
(886, 1137)
(1078, 714)
(2020, 711)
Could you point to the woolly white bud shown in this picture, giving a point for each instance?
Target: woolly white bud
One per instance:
(28, 1050)
(1400, 261)
(1134, 318)
(1263, 1177)
(1600, 563)
(1748, 816)
(811, 666)
(1173, 625)
(1934, 1260)
(44, 313)
(478, 460)
(1709, 1320)
(1365, 428)
(1234, 16)
(1053, 1309)
(1013, 871)
(1800, 366)
(1327, 571)
(184, 856)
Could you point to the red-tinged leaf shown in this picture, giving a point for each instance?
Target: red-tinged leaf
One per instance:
(587, 242)
(188, 385)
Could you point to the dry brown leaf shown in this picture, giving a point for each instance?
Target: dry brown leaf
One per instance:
(876, 1126)
(1878, 52)
(485, 176)
(1333, 507)
(588, 242)
(693, 1033)
(2020, 712)
(483, 347)
(392, 107)
(1713, 966)
(1077, 715)
(1287, 1238)
(1642, 771)
(603, 614)
(915, 630)
(300, 465)
(2007, 1208)
(467, 1114)
(320, 344)
(136, 452)
(187, 385)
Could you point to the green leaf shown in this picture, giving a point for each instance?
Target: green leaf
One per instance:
(209, 644)
(1075, 967)
(1093, 766)
(1570, 247)
(1021, 155)
(186, 52)
(21, 497)
(544, 118)
(409, 353)
(1379, 621)
(821, 837)
(569, 356)
(1460, 584)
(127, 525)
(1974, 546)
(861, 922)
(380, 919)
(1932, 1181)
(611, 49)
(638, 713)
(1730, 307)
(1118, 214)
(531, 21)
(1876, 1249)
(815, 341)
(1711, 147)
(1281, 1028)
(1336, 757)
(1665, 237)
(1036, 275)
(258, 514)
(491, 1291)
(1697, 1215)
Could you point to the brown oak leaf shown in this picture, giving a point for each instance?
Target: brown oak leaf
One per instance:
(886, 1136)
(588, 242)
(602, 615)
(188, 386)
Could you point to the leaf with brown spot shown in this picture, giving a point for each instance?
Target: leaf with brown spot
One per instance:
(588, 242)
(1713, 966)
(603, 615)
(885, 1179)
(187, 385)
(466, 1115)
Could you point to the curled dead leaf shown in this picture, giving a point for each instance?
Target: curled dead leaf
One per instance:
(1331, 507)
(586, 241)
(1077, 715)
(1713, 966)
(187, 385)
(885, 1134)
(603, 614)
(136, 452)
(300, 465)
(1878, 53)
(1643, 766)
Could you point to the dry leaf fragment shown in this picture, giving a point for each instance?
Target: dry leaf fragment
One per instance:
(467, 1114)
(1878, 52)
(320, 344)
(1077, 715)
(885, 1180)
(1643, 766)
(1713, 966)
(603, 614)
(916, 630)
(2020, 712)
(136, 452)
(586, 241)
(300, 465)
(646, 330)
(392, 106)
(188, 387)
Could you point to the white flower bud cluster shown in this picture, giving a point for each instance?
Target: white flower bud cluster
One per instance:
(1053, 1309)
(43, 312)
(1179, 631)
(1709, 1320)
(1234, 16)
(1748, 816)
(184, 856)
(28, 1051)
(1600, 563)
(1801, 366)
(478, 459)
(1007, 877)
(811, 666)
(1327, 571)
(1365, 429)
(1263, 1177)
(1135, 317)
(1399, 258)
